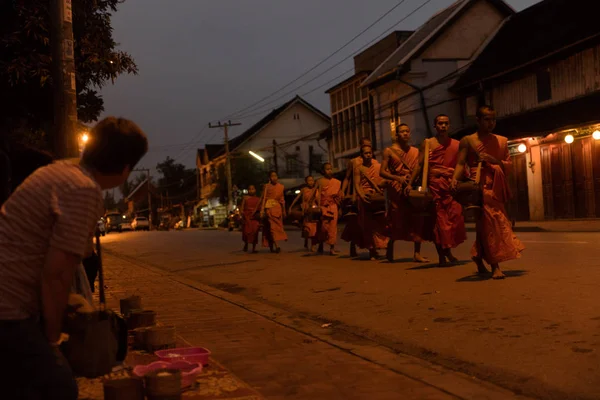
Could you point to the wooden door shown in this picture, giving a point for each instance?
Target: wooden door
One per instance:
(546, 169)
(583, 179)
(557, 179)
(596, 168)
(519, 203)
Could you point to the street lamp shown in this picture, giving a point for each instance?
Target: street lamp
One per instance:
(569, 139)
(522, 148)
(259, 158)
(596, 135)
(84, 138)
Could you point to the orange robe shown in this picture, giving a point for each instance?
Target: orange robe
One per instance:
(352, 231)
(251, 223)
(404, 222)
(496, 241)
(309, 227)
(449, 230)
(273, 230)
(330, 200)
(373, 228)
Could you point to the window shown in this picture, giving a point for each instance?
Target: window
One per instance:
(292, 166)
(316, 161)
(544, 85)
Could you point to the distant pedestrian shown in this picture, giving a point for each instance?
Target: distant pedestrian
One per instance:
(330, 198)
(45, 227)
(250, 219)
(273, 213)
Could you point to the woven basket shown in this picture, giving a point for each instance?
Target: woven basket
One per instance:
(140, 319)
(124, 389)
(160, 338)
(129, 304)
(163, 384)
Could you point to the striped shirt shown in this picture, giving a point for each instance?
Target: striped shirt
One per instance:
(57, 206)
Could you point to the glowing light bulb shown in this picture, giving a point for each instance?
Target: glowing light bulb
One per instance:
(522, 148)
(569, 139)
(85, 138)
(596, 135)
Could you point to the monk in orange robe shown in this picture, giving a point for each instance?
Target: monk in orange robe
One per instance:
(330, 197)
(368, 183)
(495, 241)
(273, 213)
(404, 222)
(250, 222)
(352, 231)
(449, 229)
(309, 196)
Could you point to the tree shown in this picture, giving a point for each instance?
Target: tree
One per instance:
(245, 171)
(26, 110)
(109, 201)
(177, 181)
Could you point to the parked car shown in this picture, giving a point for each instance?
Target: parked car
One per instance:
(140, 224)
(125, 226)
(113, 220)
(101, 227)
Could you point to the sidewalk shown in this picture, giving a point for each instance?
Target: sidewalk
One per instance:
(279, 360)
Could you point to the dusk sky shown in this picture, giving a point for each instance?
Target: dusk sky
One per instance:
(201, 60)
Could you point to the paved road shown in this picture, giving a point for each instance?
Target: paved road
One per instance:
(535, 333)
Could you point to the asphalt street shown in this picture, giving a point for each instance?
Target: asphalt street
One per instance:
(535, 333)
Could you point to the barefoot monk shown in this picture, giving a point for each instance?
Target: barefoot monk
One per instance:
(369, 184)
(352, 232)
(273, 213)
(330, 199)
(250, 222)
(449, 229)
(399, 161)
(495, 241)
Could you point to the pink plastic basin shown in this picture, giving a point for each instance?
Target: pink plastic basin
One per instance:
(189, 371)
(191, 354)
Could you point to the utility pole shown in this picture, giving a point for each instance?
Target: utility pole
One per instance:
(275, 163)
(65, 142)
(147, 171)
(225, 126)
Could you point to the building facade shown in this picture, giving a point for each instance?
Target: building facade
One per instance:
(288, 139)
(546, 93)
(351, 104)
(412, 85)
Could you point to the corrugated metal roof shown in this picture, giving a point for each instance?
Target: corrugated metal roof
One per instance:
(533, 34)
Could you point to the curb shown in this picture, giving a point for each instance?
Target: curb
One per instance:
(452, 382)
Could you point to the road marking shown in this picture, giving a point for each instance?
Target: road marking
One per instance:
(547, 242)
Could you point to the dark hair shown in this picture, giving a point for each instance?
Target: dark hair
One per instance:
(482, 109)
(439, 115)
(364, 140)
(251, 186)
(306, 179)
(114, 144)
(365, 145)
(325, 165)
(272, 172)
(400, 125)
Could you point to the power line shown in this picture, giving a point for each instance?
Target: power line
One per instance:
(320, 62)
(342, 60)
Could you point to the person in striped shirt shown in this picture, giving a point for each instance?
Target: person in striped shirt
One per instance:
(45, 228)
